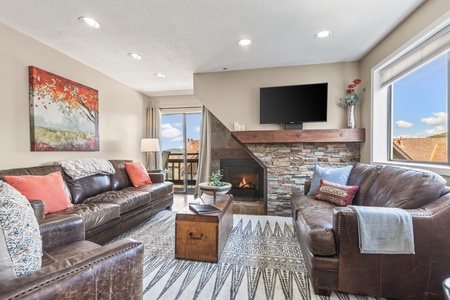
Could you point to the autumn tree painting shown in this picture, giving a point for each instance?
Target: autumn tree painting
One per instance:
(63, 113)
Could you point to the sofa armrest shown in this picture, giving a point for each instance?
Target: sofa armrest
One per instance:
(61, 230)
(307, 187)
(38, 207)
(157, 177)
(431, 224)
(114, 271)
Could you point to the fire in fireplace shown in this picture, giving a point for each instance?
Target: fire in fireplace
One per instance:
(246, 185)
(245, 176)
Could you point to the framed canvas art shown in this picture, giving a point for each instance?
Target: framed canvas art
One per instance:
(63, 114)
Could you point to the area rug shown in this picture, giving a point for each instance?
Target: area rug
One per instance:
(261, 260)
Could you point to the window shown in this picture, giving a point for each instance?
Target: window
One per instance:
(419, 114)
(410, 99)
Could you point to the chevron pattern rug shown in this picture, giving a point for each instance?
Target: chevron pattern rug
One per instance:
(261, 260)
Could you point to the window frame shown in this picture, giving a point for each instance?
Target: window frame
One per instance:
(381, 109)
(390, 99)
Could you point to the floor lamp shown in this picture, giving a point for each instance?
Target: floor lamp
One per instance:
(150, 146)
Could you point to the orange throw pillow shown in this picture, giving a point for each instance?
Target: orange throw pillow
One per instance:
(138, 174)
(48, 188)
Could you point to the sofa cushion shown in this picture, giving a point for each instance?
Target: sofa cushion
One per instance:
(363, 176)
(88, 186)
(120, 179)
(157, 190)
(404, 188)
(127, 198)
(48, 188)
(138, 175)
(338, 194)
(94, 214)
(131, 197)
(68, 250)
(20, 239)
(315, 221)
(338, 175)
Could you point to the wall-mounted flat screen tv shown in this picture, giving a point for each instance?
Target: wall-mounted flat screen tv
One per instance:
(294, 104)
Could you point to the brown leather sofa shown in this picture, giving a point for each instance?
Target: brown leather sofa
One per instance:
(73, 268)
(109, 204)
(328, 236)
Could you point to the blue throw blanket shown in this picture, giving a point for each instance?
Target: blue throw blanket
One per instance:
(384, 230)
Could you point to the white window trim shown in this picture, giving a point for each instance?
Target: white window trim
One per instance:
(379, 146)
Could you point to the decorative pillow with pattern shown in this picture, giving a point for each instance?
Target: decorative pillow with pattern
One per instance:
(338, 194)
(20, 239)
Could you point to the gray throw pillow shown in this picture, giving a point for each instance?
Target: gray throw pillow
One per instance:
(20, 239)
(339, 176)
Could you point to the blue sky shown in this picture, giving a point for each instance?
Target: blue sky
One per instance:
(172, 130)
(420, 101)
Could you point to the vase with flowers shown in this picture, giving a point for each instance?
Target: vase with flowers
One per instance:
(351, 99)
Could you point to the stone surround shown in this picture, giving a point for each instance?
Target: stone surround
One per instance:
(289, 165)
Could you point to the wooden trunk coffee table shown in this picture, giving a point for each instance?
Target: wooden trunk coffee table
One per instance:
(203, 237)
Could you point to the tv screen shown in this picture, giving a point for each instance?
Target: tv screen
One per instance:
(294, 104)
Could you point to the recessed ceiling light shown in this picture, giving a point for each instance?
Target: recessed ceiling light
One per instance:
(244, 42)
(160, 75)
(91, 22)
(135, 56)
(323, 34)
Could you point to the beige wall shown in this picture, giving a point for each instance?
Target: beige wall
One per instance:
(418, 21)
(122, 109)
(233, 96)
(175, 101)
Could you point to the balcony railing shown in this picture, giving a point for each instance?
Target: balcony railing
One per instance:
(175, 166)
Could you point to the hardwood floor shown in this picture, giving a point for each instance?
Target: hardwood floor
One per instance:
(181, 201)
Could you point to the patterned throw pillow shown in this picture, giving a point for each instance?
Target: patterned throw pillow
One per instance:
(20, 239)
(338, 194)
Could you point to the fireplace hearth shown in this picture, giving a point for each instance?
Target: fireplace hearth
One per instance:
(246, 177)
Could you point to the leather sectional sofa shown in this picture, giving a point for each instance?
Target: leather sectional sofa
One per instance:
(328, 235)
(74, 264)
(109, 204)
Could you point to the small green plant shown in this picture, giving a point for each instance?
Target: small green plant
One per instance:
(215, 179)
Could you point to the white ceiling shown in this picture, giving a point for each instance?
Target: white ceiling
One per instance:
(181, 37)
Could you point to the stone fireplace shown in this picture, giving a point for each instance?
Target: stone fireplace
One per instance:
(288, 163)
(286, 159)
(288, 166)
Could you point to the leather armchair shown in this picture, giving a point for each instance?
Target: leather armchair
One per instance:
(73, 268)
(399, 276)
(329, 238)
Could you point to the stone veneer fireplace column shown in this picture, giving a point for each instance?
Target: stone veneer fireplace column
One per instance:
(289, 157)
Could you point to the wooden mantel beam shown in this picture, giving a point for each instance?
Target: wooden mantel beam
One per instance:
(344, 135)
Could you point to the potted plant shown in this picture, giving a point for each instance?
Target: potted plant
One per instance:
(215, 184)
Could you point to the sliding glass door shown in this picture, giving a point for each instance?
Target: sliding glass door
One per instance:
(180, 139)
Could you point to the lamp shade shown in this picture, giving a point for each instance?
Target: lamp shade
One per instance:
(149, 145)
